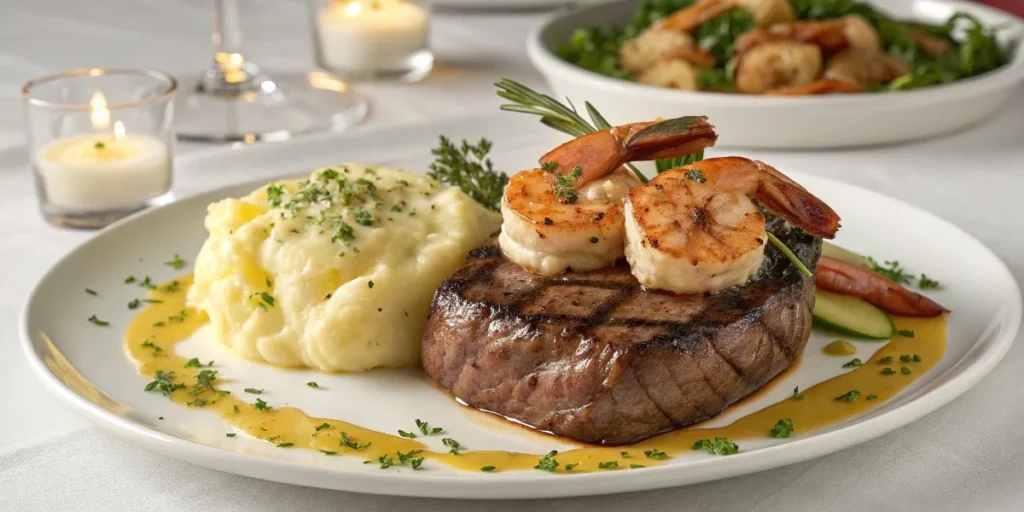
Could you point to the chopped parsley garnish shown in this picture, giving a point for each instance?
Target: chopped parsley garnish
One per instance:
(343, 231)
(147, 283)
(927, 284)
(274, 195)
(608, 465)
(285, 445)
(624, 455)
(695, 175)
(149, 344)
(176, 262)
(906, 333)
(568, 467)
(91, 292)
(718, 446)
(406, 457)
(328, 452)
(193, 363)
(231, 434)
(152, 301)
(260, 405)
(905, 358)
(636, 466)
(872, 396)
(204, 382)
(99, 145)
(885, 360)
(160, 324)
(322, 426)
(855, 363)
(487, 469)
(655, 454)
(416, 463)
(97, 321)
(888, 371)
(349, 443)
(363, 217)
(253, 391)
(466, 166)
(164, 383)
(849, 396)
(548, 462)
(179, 318)
(407, 435)
(426, 430)
(916, 358)
(384, 461)
(891, 270)
(783, 428)
(268, 299)
(370, 284)
(565, 185)
(172, 287)
(549, 166)
(453, 444)
(129, 280)
(313, 384)
(904, 370)
(797, 395)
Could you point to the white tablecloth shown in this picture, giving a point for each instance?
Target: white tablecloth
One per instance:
(967, 456)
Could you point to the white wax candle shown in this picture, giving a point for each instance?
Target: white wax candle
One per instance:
(103, 172)
(369, 36)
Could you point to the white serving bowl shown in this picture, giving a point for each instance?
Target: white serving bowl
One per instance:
(827, 121)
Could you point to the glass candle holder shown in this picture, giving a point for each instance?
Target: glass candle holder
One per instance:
(372, 39)
(101, 143)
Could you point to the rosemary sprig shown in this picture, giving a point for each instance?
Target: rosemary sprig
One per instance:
(554, 114)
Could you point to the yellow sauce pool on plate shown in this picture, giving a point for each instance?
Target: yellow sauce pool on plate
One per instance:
(152, 336)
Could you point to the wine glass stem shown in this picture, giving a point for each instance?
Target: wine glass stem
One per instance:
(230, 74)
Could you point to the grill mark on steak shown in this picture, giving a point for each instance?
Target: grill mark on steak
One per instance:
(595, 357)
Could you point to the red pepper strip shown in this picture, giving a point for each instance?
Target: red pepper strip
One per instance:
(846, 279)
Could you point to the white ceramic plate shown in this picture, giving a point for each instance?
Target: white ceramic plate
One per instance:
(84, 365)
(789, 122)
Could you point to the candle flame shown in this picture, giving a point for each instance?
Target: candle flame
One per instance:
(352, 9)
(100, 115)
(118, 130)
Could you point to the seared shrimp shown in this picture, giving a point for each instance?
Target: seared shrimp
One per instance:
(568, 214)
(769, 12)
(777, 64)
(669, 39)
(695, 229)
(831, 35)
(865, 67)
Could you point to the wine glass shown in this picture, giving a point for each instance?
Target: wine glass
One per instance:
(235, 101)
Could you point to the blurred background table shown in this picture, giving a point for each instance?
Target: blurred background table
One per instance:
(968, 456)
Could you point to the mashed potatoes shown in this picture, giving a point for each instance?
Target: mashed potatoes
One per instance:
(335, 272)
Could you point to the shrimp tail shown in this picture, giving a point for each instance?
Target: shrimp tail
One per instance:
(601, 152)
(840, 277)
(787, 199)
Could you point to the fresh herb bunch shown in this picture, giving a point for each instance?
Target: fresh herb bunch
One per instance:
(466, 166)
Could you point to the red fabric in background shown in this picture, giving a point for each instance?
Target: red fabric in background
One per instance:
(1012, 6)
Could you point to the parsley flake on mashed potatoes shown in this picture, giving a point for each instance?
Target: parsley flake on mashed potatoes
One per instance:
(335, 272)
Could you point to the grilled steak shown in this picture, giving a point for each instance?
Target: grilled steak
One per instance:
(595, 357)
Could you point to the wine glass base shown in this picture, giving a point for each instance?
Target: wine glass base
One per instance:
(288, 104)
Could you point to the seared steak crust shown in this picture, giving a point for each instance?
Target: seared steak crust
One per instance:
(595, 357)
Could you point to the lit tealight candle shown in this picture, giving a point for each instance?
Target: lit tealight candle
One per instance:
(105, 171)
(370, 35)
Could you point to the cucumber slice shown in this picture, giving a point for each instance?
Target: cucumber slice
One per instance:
(851, 316)
(838, 253)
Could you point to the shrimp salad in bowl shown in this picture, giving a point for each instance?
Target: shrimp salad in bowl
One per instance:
(788, 73)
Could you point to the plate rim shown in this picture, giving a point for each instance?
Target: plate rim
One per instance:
(540, 485)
